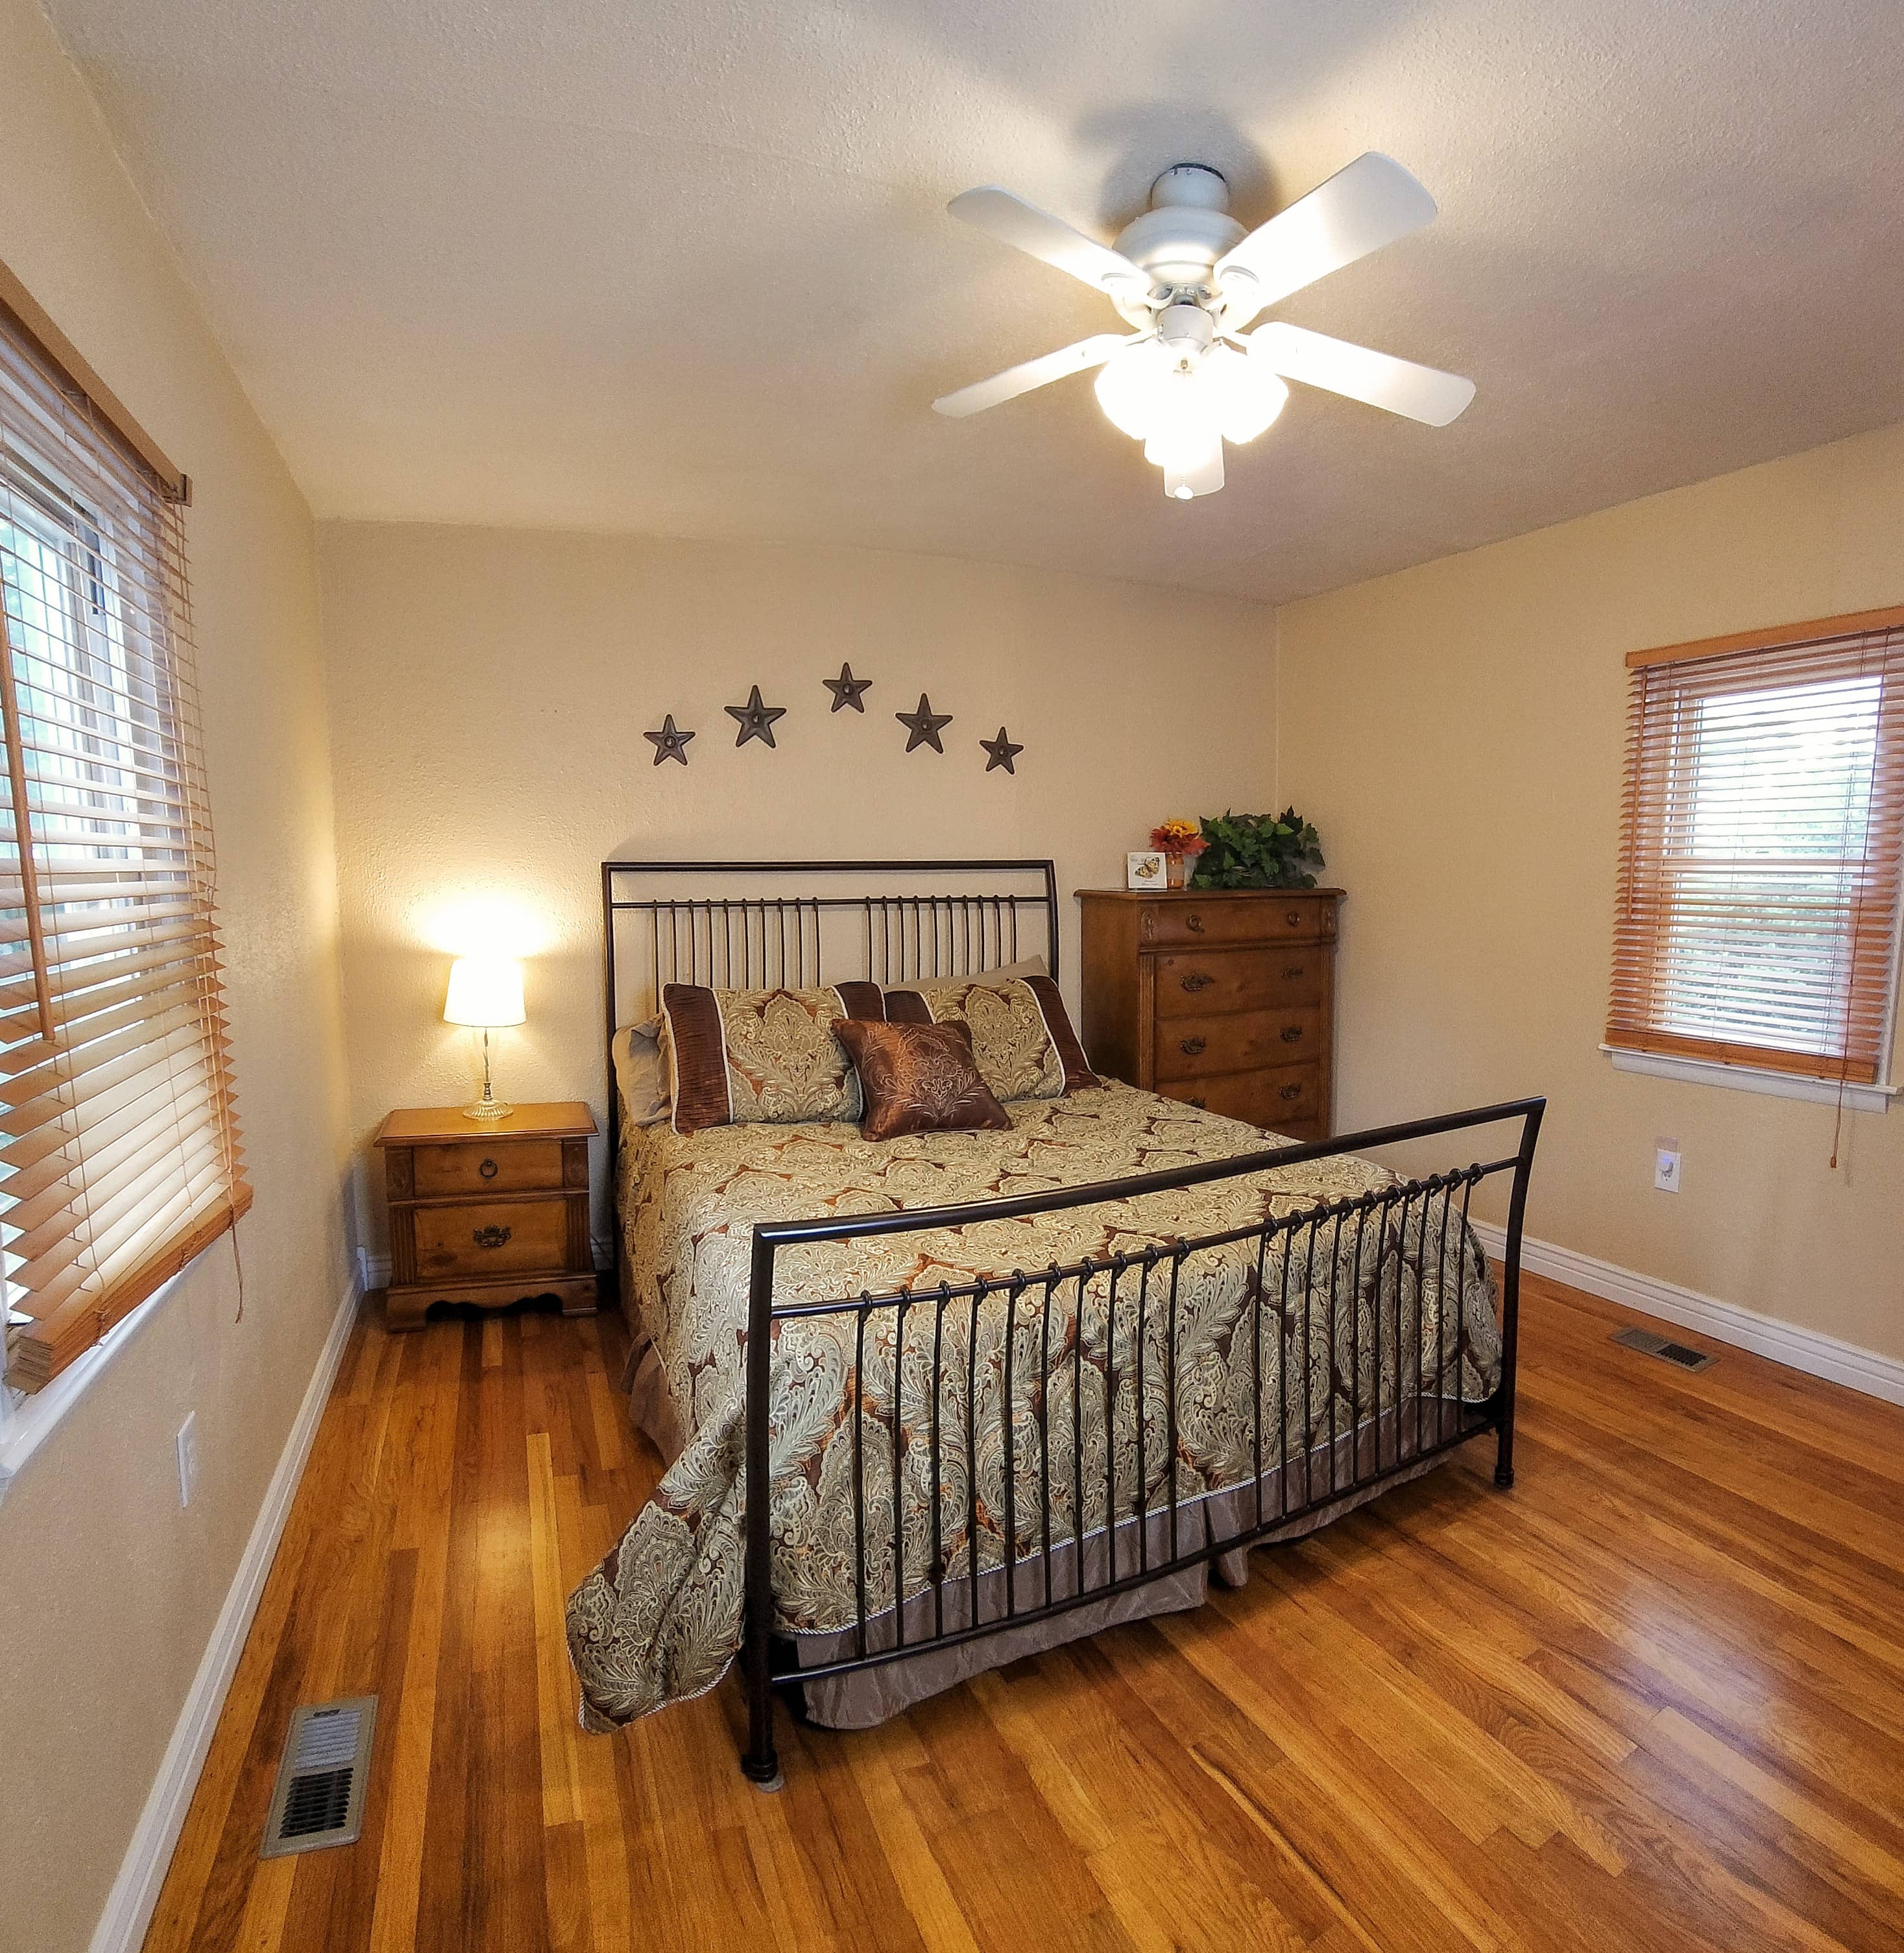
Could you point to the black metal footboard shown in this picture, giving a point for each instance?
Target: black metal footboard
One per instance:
(1054, 1439)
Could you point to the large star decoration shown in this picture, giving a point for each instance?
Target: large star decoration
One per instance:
(924, 726)
(669, 745)
(1003, 752)
(846, 689)
(755, 720)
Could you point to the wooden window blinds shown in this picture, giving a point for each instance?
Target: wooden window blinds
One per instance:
(119, 1157)
(1759, 873)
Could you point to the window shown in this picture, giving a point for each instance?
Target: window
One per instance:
(1759, 874)
(118, 1148)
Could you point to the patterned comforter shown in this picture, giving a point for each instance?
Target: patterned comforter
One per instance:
(1367, 1312)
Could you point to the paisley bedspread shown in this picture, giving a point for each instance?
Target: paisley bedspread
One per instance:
(659, 1620)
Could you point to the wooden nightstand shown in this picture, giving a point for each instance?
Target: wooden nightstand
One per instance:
(488, 1212)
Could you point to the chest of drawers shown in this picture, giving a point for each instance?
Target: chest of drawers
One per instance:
(1223, 999)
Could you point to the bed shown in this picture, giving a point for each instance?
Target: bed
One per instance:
(928, 1404)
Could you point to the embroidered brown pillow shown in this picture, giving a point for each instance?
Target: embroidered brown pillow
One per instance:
(1022, 1037)
(919, 1078)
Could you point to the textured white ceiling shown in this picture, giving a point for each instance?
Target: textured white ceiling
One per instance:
(681, 267)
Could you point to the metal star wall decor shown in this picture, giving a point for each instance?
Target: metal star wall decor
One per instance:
(755, 720)
(924, 726)
(669, 745)
(1003, 752)
(846, 689)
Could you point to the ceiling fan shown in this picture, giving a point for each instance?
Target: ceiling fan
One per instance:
(1186, 278)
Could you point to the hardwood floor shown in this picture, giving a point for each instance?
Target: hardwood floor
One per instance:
(1653, 1697)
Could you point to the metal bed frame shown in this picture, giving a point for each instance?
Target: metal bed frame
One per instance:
(751, 940)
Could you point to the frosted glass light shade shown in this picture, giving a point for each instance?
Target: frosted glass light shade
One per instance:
(484, 990)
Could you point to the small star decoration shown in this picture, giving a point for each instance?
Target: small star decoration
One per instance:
(924, 726)
(1001, 749)
(669, 745)
(755, 720)
(846, 689)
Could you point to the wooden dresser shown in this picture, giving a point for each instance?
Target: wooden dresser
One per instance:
(488, 1211)
(1225, 999)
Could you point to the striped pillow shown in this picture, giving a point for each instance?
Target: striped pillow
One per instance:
(1022, 1037)
(737, 1058)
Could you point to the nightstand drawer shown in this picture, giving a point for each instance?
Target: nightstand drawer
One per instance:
(510, 1166)
(497, 1237)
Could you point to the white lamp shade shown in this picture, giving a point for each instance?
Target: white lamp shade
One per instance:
(484, 990)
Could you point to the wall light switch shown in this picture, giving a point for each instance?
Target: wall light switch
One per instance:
(188, 1458)
(1666, 1165)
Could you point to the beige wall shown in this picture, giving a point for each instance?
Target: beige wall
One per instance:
(108, 1591)
(489, 690)
(1455, 732)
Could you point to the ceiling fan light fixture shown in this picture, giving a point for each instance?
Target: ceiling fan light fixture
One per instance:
(1130, 387)
(1245, 394)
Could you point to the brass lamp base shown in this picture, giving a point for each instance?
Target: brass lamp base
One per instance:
(488, 1109)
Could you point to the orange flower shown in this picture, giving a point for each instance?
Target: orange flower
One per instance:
(1178, 836)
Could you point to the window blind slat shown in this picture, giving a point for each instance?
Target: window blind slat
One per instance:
(119, 1152)
(1761, 835)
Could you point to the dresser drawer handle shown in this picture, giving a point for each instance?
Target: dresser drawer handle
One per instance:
(488, 1169)
(1194, 923)
(1290, 1091)
(1201, 1104)
(1191, 1046)
(1293, 917)
(1292, 1033)
(1290, 971)
(1196, 980)
(491, 1236)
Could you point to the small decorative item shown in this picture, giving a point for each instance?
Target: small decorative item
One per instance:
(1258, 851)
(755, 720)
(1180, 842)
(1003, 752)
(846, 689)
(1147, 871)
(487, 991)
(669, 745)
(925, 725)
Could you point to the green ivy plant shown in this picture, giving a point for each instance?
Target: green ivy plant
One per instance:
(1258, 851)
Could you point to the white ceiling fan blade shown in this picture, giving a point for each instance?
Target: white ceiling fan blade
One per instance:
(1014, 221)
(1371, 202)
(1040, 372)
(1422, 393)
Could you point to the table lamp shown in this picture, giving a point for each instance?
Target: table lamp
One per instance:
(485, 991)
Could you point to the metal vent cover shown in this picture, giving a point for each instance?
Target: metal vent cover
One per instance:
(318, 1798)
(1648, 1344)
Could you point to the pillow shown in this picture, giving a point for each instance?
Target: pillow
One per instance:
(641, 1073)
(738, 1057)
(1021, 1038)
(920, 1078)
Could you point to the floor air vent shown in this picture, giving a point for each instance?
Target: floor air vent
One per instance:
(319, 1796)
(1645, 1341)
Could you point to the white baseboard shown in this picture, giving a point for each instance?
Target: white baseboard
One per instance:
(1799, 1348)
(135, 1891)
(376, 1267)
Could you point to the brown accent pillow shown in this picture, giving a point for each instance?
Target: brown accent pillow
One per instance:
(1021, 1033)
(919, 1078)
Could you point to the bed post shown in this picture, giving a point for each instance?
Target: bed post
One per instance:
(758, 1761)
(1510, 1290)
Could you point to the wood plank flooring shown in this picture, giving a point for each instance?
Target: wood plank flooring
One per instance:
(1652, 1698)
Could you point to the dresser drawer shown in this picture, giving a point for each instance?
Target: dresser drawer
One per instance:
(512, 1166)
(1261, 919)
(495, 1237)
(1244, 1041)
(1289, 1095)
(1217, 982)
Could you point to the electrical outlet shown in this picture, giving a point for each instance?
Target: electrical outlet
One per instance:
(188, 1458)
(1666, 1165)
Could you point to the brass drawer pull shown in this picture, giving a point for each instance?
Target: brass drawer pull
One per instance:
(1290, 1091)
(1196, 980)
(488, 1169)
(1191, 1046)
(1290, 971)
(1194, 923)
(491, 1236)
(1292, 1033)
(1293, 917)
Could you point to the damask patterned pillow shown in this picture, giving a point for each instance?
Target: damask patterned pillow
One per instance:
(738, 1057)
(1022, 1037)
(920, 1078)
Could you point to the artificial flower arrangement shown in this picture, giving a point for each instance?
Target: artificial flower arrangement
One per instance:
(1180, 842)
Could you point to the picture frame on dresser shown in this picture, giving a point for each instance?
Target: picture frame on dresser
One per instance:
(1223, 998)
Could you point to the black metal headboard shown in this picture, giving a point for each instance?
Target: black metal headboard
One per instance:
(748, 925)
